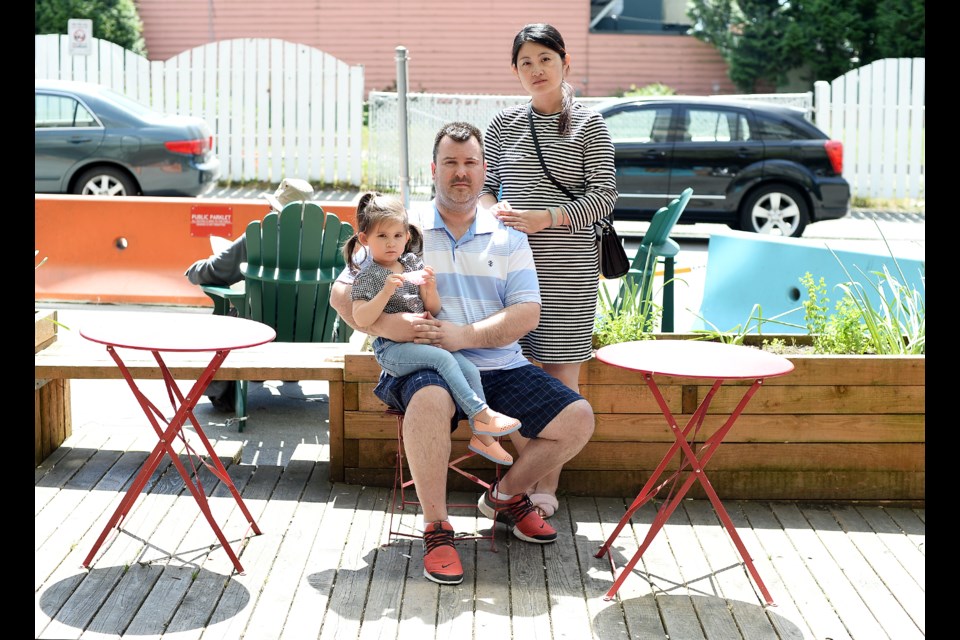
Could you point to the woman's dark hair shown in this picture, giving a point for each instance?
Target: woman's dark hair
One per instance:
(548, 36)
(372, 209)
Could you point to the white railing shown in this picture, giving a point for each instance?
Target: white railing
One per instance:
(277, 108)
(283, 109)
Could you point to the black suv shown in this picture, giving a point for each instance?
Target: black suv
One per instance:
(752, 166)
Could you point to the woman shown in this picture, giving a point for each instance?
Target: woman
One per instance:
(578, 151)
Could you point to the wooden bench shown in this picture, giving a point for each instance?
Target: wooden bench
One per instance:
(61, 360)
(838, 428)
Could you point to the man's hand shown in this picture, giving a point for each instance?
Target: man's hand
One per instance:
(443, 334)
(410, 326)
(499, 329)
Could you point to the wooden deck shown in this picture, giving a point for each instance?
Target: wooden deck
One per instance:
(320, 570)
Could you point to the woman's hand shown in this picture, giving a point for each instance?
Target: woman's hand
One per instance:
(526, 220)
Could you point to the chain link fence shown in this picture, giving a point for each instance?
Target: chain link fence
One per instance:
(427, 112)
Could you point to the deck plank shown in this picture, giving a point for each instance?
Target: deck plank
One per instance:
(811, 601)
(455, 606)
(891, 593)
(285, 566)
(355, 566)
(721, 576)
(321, 570)
(784, 616)
(888, 531)
(206, 587)
(118, 553)
(569, 616)
(237, 600)
(310, 608)
(492, 618)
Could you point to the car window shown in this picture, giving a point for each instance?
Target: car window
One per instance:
(772, 128)
(639, 125)
(61, 111)
(128, 103)
(713, 125)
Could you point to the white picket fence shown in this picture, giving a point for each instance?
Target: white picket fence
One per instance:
(283, 109)
(879, 113)
(277, 108)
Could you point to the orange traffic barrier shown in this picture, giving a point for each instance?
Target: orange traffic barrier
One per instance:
(134, 250)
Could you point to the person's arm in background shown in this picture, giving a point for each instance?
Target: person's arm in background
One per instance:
(221, 270)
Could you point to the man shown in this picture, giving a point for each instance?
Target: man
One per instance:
(490, 298)
(222, 269)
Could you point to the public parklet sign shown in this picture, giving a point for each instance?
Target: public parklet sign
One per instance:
(80, 31)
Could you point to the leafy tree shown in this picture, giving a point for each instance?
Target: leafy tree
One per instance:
(116, 21)
(763, 40)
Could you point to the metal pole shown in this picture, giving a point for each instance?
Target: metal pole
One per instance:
(402, 124)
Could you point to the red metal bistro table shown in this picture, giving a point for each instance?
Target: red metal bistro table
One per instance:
(689, 359)
(161, 333)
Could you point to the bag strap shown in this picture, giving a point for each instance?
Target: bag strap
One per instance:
(536, 144)
(604, 222)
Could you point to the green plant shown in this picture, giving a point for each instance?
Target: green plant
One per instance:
(626, 317)
(898, 325)
(837, 333)
(753, 324)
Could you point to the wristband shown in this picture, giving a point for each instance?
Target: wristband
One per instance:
(554, 215)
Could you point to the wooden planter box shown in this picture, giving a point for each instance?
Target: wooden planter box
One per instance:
(838, 428)
(51, 399)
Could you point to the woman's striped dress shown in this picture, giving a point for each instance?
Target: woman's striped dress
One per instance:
(566, 257)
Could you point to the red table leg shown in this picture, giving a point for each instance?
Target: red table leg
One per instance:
(184, 409)
(697, 473)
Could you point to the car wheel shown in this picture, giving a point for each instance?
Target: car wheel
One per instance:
(775, 210)
(105, 181)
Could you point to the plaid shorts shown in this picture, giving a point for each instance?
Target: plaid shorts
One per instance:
(526, 393)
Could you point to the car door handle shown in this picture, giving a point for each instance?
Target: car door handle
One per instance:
(655, 153)
(80, 140)
(746, 152)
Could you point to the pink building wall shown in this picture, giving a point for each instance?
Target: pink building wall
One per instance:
(452, 47)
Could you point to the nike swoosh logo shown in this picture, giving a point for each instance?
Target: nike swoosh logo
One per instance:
(444, 566)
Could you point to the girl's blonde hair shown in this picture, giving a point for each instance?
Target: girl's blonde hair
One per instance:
(373, 209)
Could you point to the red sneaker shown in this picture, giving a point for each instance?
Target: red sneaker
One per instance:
(517, 512)
(441, 562)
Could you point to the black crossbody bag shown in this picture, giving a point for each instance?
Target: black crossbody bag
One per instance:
(613, 257)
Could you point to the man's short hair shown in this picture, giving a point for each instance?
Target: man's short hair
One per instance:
(459, 132)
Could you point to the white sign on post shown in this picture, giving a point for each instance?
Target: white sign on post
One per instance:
(80, 32)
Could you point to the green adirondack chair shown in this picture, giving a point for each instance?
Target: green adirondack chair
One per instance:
(293, 259)
(656, 245)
